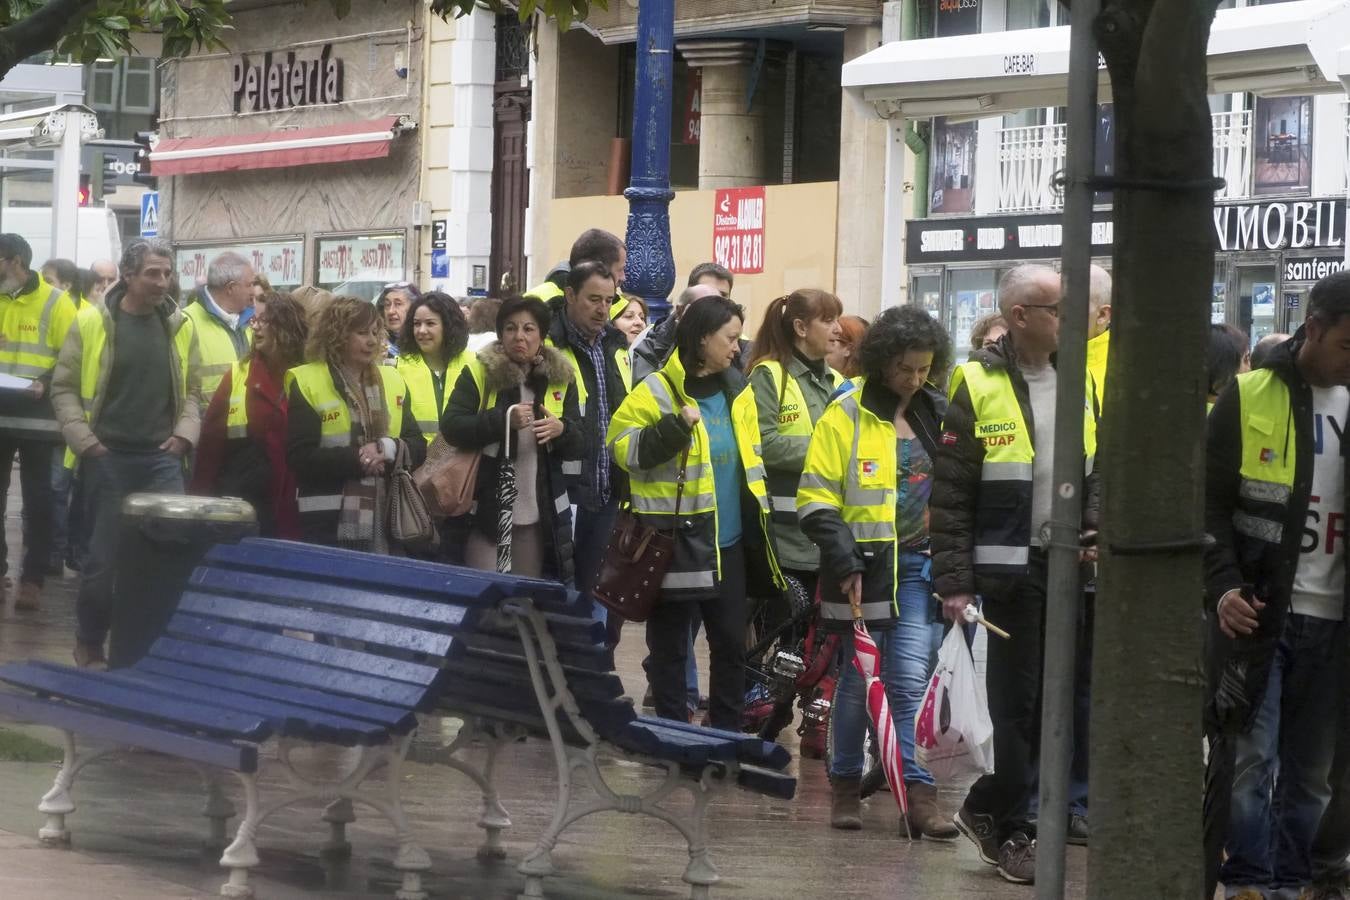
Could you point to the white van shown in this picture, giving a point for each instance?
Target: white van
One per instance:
(97, 235)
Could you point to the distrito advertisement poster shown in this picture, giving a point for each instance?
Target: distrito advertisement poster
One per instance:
(738, 229)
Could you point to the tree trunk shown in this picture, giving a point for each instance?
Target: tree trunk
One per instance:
(1147, 771)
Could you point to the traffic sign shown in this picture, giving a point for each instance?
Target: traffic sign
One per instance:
(150, 214)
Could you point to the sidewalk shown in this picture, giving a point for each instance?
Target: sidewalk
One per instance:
(137, 833)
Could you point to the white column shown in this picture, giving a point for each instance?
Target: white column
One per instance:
(1328, 145)
(75, 125)
(473, 71)
(893, 216)
(986, 166)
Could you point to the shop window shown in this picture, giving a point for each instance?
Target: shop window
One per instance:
(952, 177)
(1036, 14)
(281, 261)
(1256, 301)
(1282, 135)
(953, 17)
(972, 294)
(360, 265)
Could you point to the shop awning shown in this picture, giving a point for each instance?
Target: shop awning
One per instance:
(348, 142)
(1284, 49)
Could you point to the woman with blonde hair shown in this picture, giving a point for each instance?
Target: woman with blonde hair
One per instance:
(349, 418)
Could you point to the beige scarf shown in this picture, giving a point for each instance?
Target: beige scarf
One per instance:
(365, 501)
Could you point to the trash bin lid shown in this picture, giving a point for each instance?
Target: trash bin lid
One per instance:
(178, 506)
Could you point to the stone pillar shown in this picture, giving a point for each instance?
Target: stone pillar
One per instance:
(732, 145)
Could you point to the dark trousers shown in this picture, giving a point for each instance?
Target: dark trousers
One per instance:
(35, 481)
(724, 621)
(1331, 848)
(1082, 709)
(1013, 682)
(589, 543)
(108, 480)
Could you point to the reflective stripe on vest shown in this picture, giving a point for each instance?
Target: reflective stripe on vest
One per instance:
(865, 498)
(1004, 535)
(236, 417)
(654, 490)
(795, 425)
(215, 347)
(1269, 454)
(28, 350)
(422, 389)
(335, 422)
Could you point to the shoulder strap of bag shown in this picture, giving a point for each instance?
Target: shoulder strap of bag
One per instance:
(684, 457)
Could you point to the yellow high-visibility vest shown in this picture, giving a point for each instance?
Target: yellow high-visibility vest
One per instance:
(1269, 456)
(34, 324)
(851, 468)
(1003, 534)
(216, 346)
(654, 491)
(335, 422)
(422, 390)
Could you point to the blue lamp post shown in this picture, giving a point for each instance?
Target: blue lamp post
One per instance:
(651, 265)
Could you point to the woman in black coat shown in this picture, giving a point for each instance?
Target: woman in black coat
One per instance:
(519, 388)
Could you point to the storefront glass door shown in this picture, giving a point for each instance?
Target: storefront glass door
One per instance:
(1295, 297)
(1258, 312)
(971, 294)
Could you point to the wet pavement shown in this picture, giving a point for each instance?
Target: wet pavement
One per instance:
(138, 829)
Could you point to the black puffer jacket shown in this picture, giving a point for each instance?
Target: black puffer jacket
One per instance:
(955, 505)
(582, 488)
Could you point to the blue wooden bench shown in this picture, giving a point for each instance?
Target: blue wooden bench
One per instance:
(555, 680)
(272, 643)
(535, 665)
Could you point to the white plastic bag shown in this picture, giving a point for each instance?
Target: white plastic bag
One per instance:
(953, 735)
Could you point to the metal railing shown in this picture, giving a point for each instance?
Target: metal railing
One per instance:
(1029, 157)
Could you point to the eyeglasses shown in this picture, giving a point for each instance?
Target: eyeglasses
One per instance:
(1051, 308)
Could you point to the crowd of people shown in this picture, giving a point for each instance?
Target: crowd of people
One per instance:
(854, 458)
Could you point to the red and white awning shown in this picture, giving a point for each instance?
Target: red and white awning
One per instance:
(348, 142)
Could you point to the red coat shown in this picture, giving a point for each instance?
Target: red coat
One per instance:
(252, 467)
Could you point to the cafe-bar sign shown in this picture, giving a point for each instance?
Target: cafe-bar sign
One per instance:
(284, 81)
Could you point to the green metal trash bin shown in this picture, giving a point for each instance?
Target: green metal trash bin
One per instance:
(162, 538)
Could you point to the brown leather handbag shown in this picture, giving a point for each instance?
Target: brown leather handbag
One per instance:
(637, 560)
(448, 478)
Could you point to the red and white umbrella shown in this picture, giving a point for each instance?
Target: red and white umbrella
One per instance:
(867, 660)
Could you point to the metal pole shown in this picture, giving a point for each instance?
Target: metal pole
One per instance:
(651, 264)
(1064, 590)
(66, 185)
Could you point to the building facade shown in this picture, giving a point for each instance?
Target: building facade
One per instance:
(1281, 133)
(772, 172)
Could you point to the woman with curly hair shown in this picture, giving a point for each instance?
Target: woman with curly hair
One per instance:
(431, 353)
(242, 450)
(864, 501)
(349, 416)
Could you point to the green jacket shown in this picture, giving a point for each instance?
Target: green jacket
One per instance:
(785, 454)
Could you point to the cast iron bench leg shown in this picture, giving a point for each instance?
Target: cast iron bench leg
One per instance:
(494, 818)
(56, 804)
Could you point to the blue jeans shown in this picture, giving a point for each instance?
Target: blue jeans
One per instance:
(1280, 784)
(907, 654)
(62, 478)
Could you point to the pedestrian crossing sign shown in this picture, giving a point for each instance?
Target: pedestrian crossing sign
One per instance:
(150, 214)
